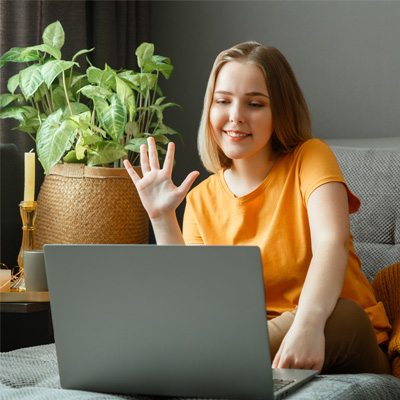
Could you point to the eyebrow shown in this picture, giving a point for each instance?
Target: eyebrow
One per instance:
(247, 94)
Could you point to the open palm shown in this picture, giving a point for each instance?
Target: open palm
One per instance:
(158, 193)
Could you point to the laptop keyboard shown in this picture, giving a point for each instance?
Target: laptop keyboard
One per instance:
(281, 383)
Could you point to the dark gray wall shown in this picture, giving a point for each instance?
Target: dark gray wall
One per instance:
(345, 54)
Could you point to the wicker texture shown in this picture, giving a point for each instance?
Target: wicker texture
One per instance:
(373, 176)
(79, 204)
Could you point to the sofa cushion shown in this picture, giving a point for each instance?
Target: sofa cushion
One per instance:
(373, 176)
(33, 373)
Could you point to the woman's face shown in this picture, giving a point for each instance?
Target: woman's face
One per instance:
(240, 113)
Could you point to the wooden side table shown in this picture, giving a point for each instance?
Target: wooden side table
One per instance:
(25, 324)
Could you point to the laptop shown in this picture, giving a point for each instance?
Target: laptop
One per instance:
(182, 321)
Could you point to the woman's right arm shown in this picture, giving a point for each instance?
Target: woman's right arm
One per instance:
(159, 196)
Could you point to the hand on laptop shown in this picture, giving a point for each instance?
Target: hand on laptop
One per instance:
(157, 192)
(302, 348)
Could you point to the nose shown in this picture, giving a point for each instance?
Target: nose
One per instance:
(236, 114)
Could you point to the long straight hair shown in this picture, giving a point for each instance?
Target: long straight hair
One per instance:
(290, 114)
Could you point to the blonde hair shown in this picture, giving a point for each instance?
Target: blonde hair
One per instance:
(292, 122)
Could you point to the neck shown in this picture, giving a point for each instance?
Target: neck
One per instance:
(246, 175)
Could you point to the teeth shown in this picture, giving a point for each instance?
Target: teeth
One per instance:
(234, 134)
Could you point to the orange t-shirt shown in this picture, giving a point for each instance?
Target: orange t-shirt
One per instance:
(274, 218)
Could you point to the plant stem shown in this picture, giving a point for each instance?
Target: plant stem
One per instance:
(153, 101)
(140, 113)
(34, 139)
(134, 159)
(49, 101)
(66, 94)
(35, 105)
(70, 77)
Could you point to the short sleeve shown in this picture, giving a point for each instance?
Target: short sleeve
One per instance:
(191, 233)
(317, 165)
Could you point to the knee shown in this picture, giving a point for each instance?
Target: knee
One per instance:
(350, 341)
(350, 323)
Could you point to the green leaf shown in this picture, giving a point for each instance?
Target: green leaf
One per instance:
(54, 35)
(14, 55)
(84, 51)
(132, 129)
(134, 145)
(144, 53)
(147, 81)
(166, 70)
(149, 67)
(101, 77)
(53, 139)
(78, 79)
(82, 120)
(159, 63)
(90, 91)
(105, 152)
(32, 120)
(80, 150)
(77, 108)
(46, 48)
(126, 95)
(30, 79)
(166, 130)
(158, 111)
(7, 98)
(164, 106)
(71, 158)
(15, 112)
(112, 116)
(91, 139)
(58, 97)
(97, 129)
(53, 68)
(13, 83)
(161, 138)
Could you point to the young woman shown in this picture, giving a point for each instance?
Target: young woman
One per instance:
(275, 187)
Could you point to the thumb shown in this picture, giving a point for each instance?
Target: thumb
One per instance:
(188, 182)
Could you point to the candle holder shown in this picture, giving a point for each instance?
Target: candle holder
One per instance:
(28, 216)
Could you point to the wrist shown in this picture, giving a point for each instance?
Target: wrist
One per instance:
(164, 219)
(314, 317)
(166, 229)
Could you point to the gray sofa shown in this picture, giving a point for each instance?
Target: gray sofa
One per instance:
(374, 176)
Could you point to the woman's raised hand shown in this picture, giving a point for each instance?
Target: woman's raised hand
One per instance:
(157, 192)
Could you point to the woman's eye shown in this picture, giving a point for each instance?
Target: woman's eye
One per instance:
(222, 102)
(256, 105)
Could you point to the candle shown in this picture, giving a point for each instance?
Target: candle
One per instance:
(29, 192)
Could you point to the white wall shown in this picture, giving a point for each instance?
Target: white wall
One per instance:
(345, 54)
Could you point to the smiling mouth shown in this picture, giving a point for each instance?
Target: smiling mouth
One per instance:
(237, 134)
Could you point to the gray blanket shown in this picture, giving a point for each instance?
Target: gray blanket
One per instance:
(32, 373)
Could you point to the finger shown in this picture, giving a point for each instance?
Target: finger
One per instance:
(276, 361)
(132, 173)
(284, 362)
(188, 182)
(153, 155)
(169, 158)
(144, 160)
(317, 366)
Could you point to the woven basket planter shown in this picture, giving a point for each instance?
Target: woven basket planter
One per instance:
(79, 204)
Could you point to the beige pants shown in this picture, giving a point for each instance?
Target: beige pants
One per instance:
(350, 340)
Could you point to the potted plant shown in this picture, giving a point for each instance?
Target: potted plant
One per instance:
(85, 124)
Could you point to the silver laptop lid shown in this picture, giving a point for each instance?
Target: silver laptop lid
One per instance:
(184, 321)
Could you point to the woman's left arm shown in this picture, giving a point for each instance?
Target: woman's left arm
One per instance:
(328, 211)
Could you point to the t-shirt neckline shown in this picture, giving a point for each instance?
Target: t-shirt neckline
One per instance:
(255, 192)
